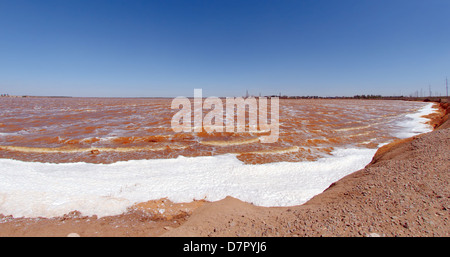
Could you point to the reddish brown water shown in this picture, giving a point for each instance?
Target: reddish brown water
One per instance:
(105, 130)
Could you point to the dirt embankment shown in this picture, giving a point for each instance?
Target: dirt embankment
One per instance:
(438, 118)
(443, 121)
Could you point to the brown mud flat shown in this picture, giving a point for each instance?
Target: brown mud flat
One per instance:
(404, 191)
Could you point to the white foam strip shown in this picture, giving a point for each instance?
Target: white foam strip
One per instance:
(414, 123)
(33, 189)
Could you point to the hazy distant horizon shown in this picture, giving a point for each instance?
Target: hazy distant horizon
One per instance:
(191, 95)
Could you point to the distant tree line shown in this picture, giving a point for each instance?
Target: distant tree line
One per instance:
(367, 96)
(334, 97)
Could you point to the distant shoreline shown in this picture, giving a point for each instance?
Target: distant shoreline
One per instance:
(437, 99)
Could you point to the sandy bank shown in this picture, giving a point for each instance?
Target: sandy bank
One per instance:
(403, 192)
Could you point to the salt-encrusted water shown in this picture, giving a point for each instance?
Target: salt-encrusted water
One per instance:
(33, 189)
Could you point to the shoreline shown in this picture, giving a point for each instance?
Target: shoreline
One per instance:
(232, 217)
(398, 194)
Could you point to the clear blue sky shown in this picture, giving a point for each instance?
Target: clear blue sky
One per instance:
(168, 48)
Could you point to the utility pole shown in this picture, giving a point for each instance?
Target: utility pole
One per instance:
(429, 89)
(446, 85)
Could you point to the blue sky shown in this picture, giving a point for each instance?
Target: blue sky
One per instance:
(168, 48)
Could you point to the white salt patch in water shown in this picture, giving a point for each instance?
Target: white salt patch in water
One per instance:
(7, 134)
